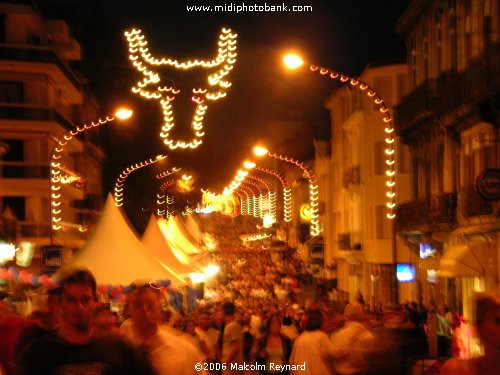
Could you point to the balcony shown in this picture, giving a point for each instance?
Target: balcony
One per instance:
(350, 241)
(428, 213)
(37, 54)
(482, 76)
(24, 170)
(420, 104)
(32, 112)
(472, 204)
(352, 176)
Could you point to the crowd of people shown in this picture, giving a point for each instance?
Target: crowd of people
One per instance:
(260, 316)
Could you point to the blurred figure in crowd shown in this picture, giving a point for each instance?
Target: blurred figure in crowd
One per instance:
(169, 354)
(232, 340)
(488, 329)
(355, 339)
(73, 350)
(314, 348)
(273, 347)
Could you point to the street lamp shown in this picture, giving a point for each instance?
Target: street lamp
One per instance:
(56, 167)
(315, 228)
(292, 61)
(120, 181)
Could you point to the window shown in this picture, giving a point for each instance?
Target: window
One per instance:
(468, 31)
(2, 27)
(453, 36)
(17, 206)
(403, 161)
(11, 92)
(15, 150)
(379, 158)
(383, 227)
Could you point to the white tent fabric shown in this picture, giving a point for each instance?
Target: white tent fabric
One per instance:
(156, 243)
(193, 228)
(115, 255)
(463, 260)
(177, 236)
(179, 246)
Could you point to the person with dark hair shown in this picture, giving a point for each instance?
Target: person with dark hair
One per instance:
(273, 347)
(313, 347)
(289, 329)
(488, 328)
(232, 340)
(169, 354)
(73, 349)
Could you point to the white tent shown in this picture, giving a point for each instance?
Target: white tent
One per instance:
(193, 228)
(115, 255)
(156, 243)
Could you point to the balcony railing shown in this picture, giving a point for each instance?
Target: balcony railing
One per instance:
(24, 170)
(472, 204)
(429, 211)
(352, 176)
(15, 111)
(419, 104)
(33, 229)
(30, 53)
(480, 79)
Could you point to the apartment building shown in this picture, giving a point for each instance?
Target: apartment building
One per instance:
(359, 239)
(41, 97)
(450, 121)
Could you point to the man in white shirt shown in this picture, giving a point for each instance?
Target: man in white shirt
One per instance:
(313, 348)
(169, 354)
(355, 339)
(209, 336)
(232, 340)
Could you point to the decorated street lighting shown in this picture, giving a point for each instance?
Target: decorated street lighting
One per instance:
(315, 226)
(120, 181)
(287, 192)
(294, 61)
(60, 175)
(151, 87)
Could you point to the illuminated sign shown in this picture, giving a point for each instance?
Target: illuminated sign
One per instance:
(405, 272)
(427, 250)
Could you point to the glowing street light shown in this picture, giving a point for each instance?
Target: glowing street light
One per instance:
(390, 153)
(292, 61)
(56, 167)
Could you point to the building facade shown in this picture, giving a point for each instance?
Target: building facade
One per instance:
(450, 121)
(41, 97)
(359, 239)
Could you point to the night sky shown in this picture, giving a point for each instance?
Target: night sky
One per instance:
(343, 35)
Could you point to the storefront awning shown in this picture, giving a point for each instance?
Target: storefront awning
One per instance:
(463, 260)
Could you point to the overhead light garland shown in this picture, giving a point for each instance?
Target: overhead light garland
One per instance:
(315, 226)
(287, 192)
(167, 173)
(56, 167)
(151, 88)
(120, 181)
(389, 140)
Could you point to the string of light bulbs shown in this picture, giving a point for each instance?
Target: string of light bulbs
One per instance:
(120, 181)
(390, 151)
(287, 192)
(150, 86)
(56, 177)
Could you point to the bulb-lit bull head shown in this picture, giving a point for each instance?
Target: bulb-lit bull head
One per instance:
(151, 88)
